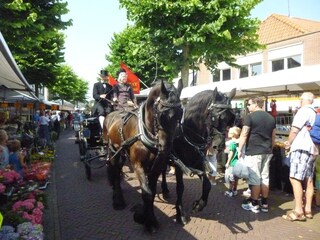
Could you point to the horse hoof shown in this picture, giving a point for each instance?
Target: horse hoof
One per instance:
(138, 218)
(151, 229)
(183, 220)
(117, 206)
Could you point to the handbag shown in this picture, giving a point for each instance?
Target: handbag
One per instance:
(241, 169)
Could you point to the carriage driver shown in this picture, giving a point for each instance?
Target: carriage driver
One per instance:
(102, 94)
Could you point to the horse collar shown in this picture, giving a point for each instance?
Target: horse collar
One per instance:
(151, 141)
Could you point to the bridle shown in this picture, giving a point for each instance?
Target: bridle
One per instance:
(165, 106)
(215, 117)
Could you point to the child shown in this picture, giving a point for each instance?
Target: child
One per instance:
(16, 159)
(234, 134)
(4, 152)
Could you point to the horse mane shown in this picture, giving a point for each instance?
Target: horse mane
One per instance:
(155, 91)
(198, 106)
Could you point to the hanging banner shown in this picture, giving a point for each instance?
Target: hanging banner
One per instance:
(42, 106)
(17, 105)
(54, 107)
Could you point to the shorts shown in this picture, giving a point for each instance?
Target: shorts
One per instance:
(229, 176)
(302, 164)
(258, 169)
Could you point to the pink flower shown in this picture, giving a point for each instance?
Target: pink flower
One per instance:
(2, 188)
(40, 205)
(28, 205)
(17, 205)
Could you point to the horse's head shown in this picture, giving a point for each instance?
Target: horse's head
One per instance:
(168, 106)
(221, 114)
(163, 109)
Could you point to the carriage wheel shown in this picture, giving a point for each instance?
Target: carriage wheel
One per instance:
(97, 162)
(88, 171)
(83, 149)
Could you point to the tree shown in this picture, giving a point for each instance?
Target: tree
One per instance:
(197, 31)
(68, 86)
(31, 29)
(134, 47)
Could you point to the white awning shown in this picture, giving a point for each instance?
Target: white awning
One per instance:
(10, 74)
(286, 82)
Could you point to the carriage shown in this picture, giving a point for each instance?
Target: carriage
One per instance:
(93, 153)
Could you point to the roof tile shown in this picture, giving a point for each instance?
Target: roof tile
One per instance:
(278, 28)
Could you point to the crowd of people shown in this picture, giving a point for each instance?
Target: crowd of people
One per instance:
(255, 141)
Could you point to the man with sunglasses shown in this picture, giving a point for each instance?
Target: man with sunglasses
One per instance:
(258, 137)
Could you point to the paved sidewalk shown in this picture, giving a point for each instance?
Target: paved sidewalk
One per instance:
(81, 210)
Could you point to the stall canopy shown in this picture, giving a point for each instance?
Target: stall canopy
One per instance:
(291, 82)
(10, 75)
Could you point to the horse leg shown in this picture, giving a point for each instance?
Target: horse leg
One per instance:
(181, 215)
(164, 185)
(199, 205)
(114, 176)
(151, 222)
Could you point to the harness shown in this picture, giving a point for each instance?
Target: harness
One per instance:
(200, 147)
(148, 139)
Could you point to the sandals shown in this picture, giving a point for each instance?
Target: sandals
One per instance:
(309, 215)
(293, 216)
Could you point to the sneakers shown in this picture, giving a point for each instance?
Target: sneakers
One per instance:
(247, 205)
(247, 193)
(264, 207)
(230, 193)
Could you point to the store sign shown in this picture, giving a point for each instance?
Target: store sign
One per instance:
(30, 105)
(17, 105)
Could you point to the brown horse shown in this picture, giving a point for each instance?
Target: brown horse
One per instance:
(145, 138)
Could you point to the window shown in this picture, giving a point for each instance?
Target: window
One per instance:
(244, 72)
(221, 75)
(277, 65)
(216, 75)
(256, 69)
(249, 70)
(286, 63)
(226, 74)
(294, 61)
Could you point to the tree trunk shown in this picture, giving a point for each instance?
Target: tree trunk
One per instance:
(185, 66)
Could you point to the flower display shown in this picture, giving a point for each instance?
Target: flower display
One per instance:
(22, 199)
(2, 188)
(26, 231)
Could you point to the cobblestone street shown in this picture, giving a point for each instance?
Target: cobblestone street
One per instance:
(82, 210)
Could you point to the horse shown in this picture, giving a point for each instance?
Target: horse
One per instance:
(206, 116)
(144, 137)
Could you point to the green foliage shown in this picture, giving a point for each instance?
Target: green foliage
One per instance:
(31, 29)
(68, 86)
(195, 31)
(134, 47)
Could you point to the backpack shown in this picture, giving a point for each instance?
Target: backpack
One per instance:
(314, 130)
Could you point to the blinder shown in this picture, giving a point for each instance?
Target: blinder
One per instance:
(161, 108)
(215, 115)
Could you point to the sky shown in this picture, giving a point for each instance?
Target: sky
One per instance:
(96, 21)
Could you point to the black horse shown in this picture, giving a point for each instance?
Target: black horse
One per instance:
(206, 117)
(145, 138)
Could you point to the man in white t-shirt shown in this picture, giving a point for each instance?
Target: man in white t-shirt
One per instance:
(302, 159)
